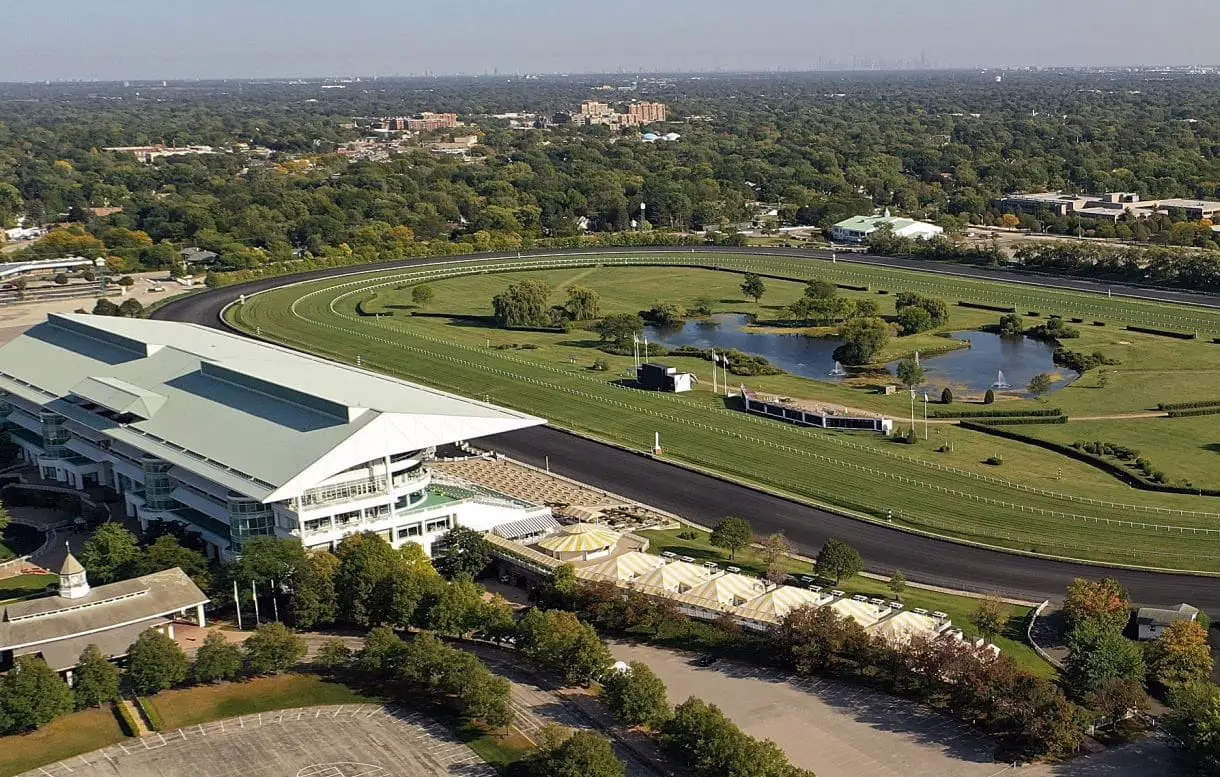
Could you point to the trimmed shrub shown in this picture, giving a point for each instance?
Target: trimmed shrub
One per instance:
(126, 722)
(1188, 405)
(1035, 412)
(1059, 419)
(981, 306)
(1163, 332)
(1198, 411)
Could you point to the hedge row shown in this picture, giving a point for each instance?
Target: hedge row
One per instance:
(1058, 419)
(1198, 411)
(1109, 467)
(151, 716)
(1045, 411)
(126, 721)
(1163, 332)
(1187, 405)
(981, 306)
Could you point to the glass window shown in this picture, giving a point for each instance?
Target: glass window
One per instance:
(411, 530)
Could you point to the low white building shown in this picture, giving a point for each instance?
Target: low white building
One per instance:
(238, 439)
(857, 228)
(1152, 621)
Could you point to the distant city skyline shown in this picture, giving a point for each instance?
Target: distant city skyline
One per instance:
(139, 39)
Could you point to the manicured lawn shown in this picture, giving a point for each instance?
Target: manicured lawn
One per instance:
(947, 493)
(501, 749)
(24, 585)
(956, 607)
(188, 706)
(1184, 448)
(74, 734)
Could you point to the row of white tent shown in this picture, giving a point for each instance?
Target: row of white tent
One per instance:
(708, 592)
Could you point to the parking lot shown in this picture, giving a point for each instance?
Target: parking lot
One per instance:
(843, 730)
(345, 741)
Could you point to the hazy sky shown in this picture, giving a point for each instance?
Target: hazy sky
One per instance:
(116, 39)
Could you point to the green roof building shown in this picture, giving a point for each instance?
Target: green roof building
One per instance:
(239, 438)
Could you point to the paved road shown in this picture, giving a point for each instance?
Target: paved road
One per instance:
(702, 498)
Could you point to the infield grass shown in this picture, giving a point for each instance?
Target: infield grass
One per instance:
(1035, 501)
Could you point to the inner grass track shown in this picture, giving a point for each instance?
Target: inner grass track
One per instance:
(826, 469)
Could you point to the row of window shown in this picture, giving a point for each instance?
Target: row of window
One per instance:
(406, 531)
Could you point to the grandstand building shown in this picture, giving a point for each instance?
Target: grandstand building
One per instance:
(238, 439)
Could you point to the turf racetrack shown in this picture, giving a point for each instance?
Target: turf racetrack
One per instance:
(701, 497)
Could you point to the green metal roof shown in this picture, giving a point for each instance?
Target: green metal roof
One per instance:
(252, 416)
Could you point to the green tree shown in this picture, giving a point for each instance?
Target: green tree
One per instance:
(1116, 696)
(821, 289)
(583, 304)
(1097, 653)
(131, 308)
(457, 608)
(732, 534)
(838, 560)
(463, 552)
(1181, 655)
(60, 279)
(272, 648)
(522, 304)
(898, 583)
(95, 679)
(1194, 720)
(1039, 385)
(334, 656)
(110, 554)
(559, 642)
(666, 313)
(314, 600)
(583, 754)
(126, 281)
(422, 294)
(156, 662)
(989, 397)
(946, 396)
(1011, 325)
(910, 372)
(863, 340)
(366, 562)
(990, 617)
(217, 659)
(636, 696)
(383, 654)
(753, 287)
(914, 320)
(32, 694)
(619, 328)
(167, 553)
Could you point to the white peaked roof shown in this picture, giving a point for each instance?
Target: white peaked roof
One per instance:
(263, 420)
(774, 605)
(905, 625)
(861, 612)
(622, 569)
(674, 577)
(728, 590)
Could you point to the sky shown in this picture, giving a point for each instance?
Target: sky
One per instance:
(171, 39)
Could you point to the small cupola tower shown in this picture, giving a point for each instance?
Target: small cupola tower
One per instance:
(73, 582)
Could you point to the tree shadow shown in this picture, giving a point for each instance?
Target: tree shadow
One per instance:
(583, 343)
(1214, 447)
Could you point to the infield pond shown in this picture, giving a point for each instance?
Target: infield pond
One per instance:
(972, 369)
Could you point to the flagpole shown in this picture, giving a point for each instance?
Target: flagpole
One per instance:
(237, 603)
(254, 591)
(913, 414)
(714, 391)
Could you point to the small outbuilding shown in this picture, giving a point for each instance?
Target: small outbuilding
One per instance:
(661, 377)
(1152, 621)
(580, 542)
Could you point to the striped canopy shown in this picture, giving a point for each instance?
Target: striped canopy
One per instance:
(580, 538)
